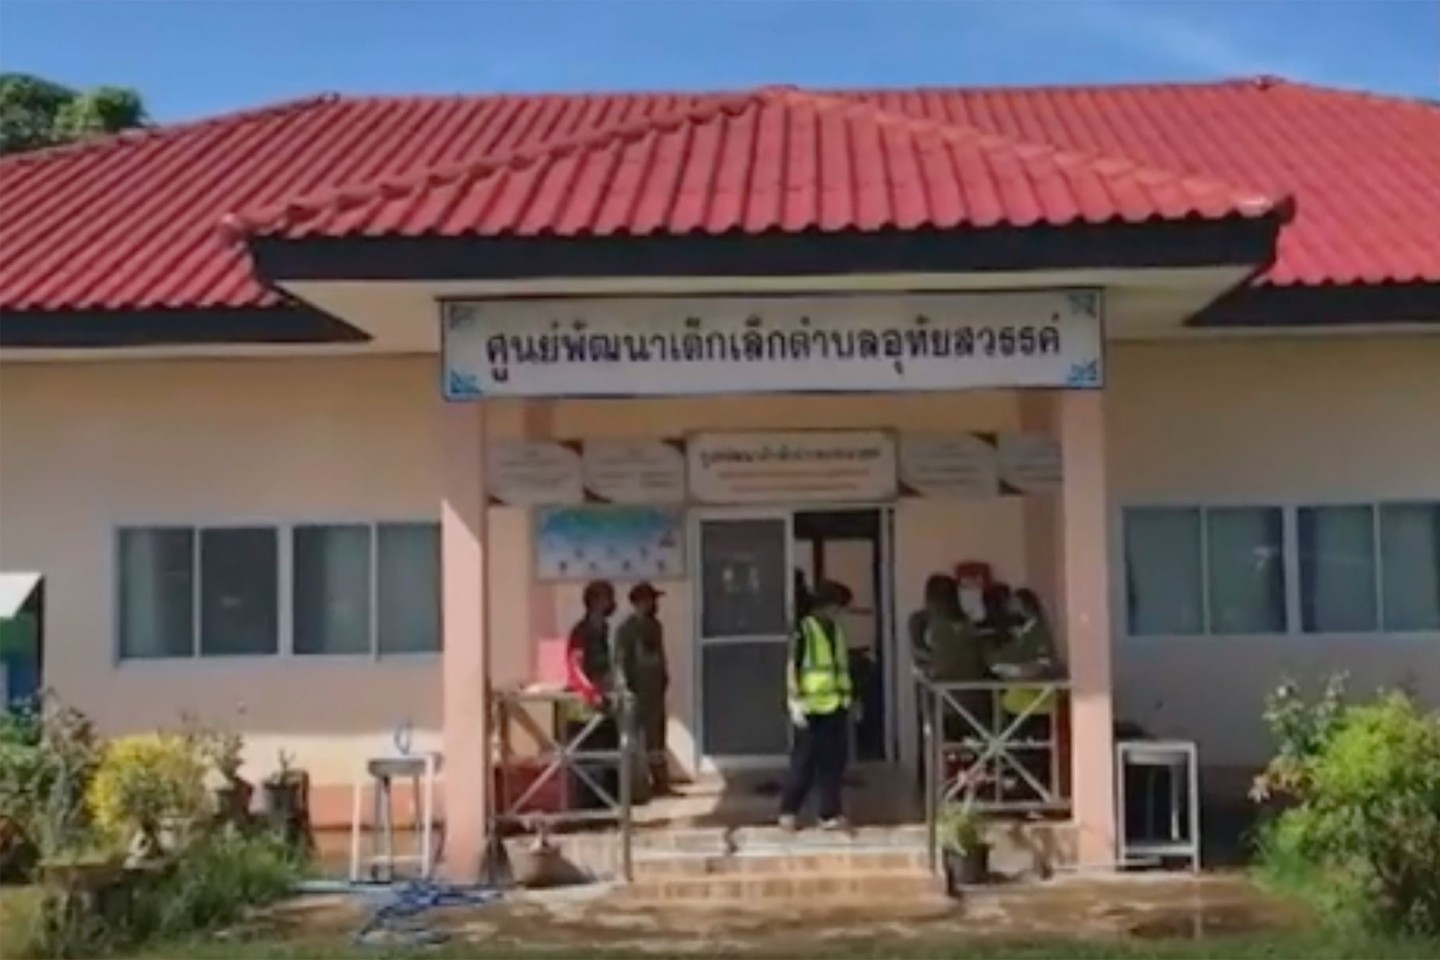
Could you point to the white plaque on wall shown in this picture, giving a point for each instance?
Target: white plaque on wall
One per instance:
(1030, 462)
(530, 473)
(634, 471)
(949, 465)
(794, 467)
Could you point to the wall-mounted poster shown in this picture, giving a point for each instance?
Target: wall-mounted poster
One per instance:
(1030, 462)
(949, 465)
(526, 472)
(609, 542)
(634, 471)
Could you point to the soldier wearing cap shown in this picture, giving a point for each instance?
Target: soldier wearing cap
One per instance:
(640, 655)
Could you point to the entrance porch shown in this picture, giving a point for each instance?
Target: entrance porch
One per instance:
(727, 734)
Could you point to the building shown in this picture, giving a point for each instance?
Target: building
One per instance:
(1182, 375)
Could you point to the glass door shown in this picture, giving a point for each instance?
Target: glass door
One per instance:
(745, 619)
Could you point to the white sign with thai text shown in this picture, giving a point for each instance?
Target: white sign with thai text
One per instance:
(530, 473)
(798, 467)
(949, 465)
(671, 346)
(1030, 462)
(634, 471)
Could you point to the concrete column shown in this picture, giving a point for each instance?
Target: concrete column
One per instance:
(538, 423)
(1042, 517)
(466, 683)
(1085, 553)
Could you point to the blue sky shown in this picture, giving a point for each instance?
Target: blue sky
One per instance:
(194, 57)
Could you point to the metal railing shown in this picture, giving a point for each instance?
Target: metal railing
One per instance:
(987, 756)
(567, 753)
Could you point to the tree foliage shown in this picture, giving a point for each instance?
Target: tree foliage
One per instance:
(36, 113)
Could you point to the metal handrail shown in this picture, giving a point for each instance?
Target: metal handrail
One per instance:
(992, 741)
(562, 755)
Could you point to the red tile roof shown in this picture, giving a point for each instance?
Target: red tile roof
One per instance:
(773, 161)
(132, 221)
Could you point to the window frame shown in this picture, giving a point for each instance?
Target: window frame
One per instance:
(1290, 529)
(285, 591)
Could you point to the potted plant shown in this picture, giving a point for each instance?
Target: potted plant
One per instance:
(225, 750)
(287, 803)
(965, 851)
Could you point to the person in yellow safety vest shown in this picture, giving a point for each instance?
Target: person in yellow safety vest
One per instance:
(820, 693)
(1028, 654)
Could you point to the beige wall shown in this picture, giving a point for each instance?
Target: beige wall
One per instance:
(1266, 421)
(89, 447)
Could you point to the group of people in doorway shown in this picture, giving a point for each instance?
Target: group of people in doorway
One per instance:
(1002, 635)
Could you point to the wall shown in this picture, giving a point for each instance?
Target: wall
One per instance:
(88, 447)
(92, 446)
(1266, 421)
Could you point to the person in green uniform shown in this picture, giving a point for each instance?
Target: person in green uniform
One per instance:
(1027, 654)
(590, 670)
(640, 655)
(956, 655)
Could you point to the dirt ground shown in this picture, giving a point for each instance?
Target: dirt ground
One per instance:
(1152, 908)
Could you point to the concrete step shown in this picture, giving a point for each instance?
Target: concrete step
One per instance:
(717, 840)
(799, 863)
(741, 888)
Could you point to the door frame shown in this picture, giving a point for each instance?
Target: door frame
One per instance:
(698, 516)
(889, 638)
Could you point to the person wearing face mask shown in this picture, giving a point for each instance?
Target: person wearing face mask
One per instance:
(820, 694)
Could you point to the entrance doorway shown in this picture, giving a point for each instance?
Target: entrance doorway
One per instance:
(846, 546)
(747, 565)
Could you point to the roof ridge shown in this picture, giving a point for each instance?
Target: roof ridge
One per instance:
(1263, 201)
(121, 138)
(276, 215)
(1347, 93)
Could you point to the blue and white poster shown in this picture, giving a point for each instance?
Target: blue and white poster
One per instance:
(609, 542)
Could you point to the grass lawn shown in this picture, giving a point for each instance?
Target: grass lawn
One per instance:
(1299, 946)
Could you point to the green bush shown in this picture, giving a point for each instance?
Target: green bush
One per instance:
(214, 882)
(1361, 833)
(219, 877)
(144, 783)
(48, 756)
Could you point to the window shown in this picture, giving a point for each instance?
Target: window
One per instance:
(1356, 568)
(359, 588)
(1245, 565)
(1193, 570)
(365, 589)
(1338, 589)
(1370, 568)
(210, 593)
(1163, 575)
(1410, 566)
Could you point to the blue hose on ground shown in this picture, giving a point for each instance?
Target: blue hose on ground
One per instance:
(396, 920)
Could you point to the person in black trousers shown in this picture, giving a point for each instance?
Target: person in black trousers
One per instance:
(820, 693)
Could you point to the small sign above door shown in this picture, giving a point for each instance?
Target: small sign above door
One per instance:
(522, 473)
(949, 465)
(834, 466)
(634, 471)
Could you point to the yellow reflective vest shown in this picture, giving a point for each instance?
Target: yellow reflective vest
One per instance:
(819, 674)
